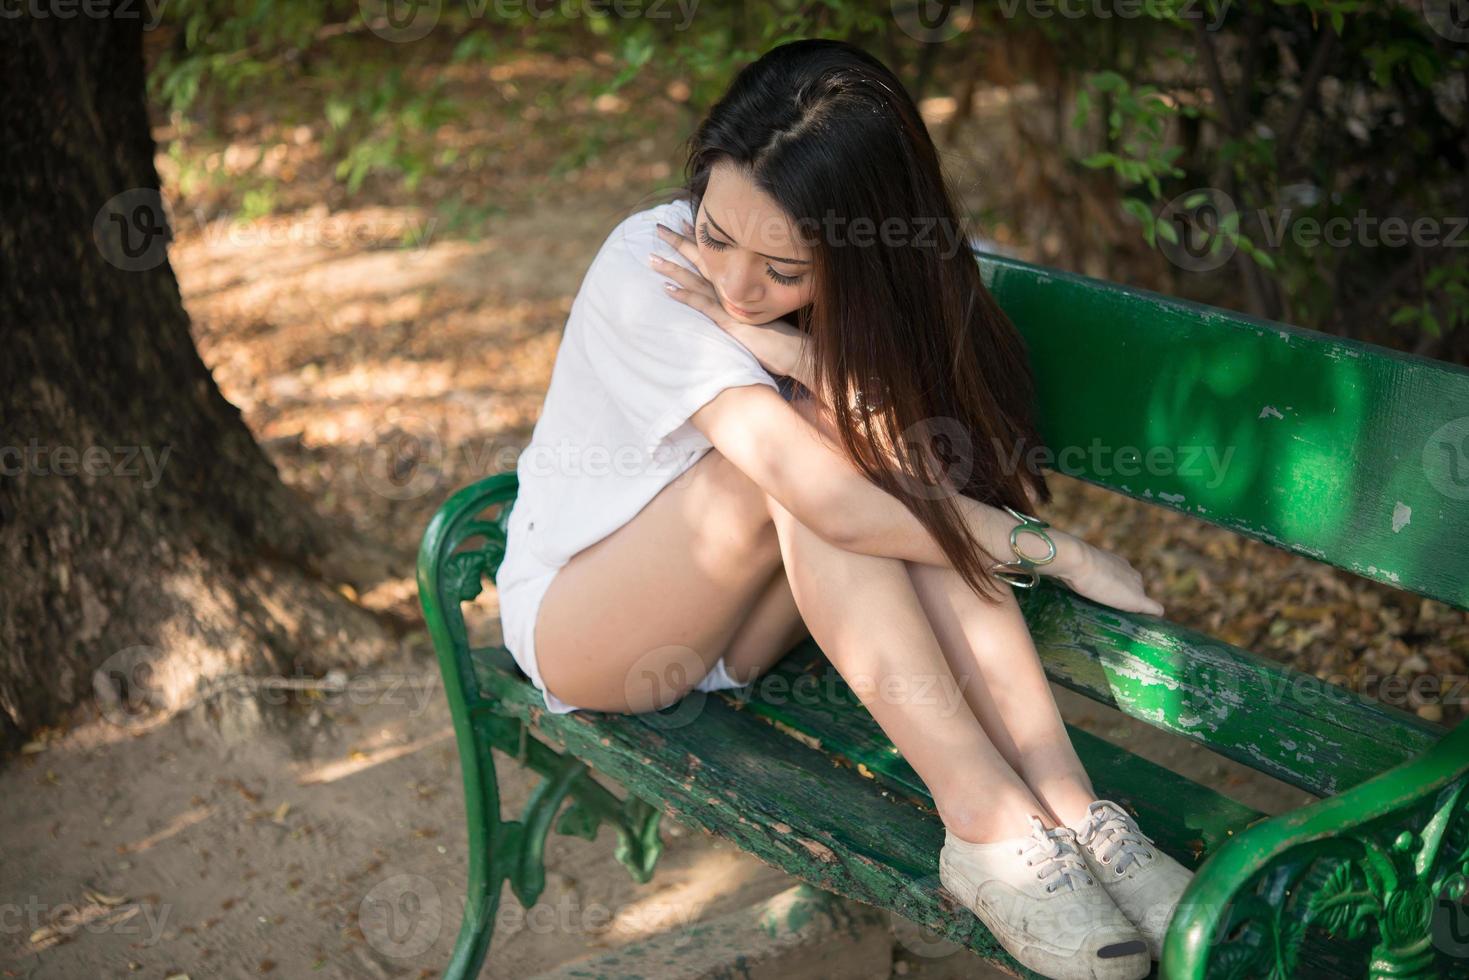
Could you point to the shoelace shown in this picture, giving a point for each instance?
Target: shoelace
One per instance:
(1119, 836)
(1053, 853)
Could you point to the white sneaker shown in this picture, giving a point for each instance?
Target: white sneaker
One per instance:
(1043, 904)
(1145, 882)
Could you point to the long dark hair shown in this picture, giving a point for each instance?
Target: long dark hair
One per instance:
(929, 381)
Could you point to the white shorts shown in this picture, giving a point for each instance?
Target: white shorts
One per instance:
(520, 594)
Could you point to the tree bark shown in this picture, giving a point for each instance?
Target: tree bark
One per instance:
(146, 541)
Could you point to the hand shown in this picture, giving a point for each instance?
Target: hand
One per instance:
(1100, 575)
(777, 345)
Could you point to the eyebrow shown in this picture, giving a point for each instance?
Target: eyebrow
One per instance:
(774, 258)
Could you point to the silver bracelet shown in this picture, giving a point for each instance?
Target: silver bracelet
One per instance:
(1021, 572)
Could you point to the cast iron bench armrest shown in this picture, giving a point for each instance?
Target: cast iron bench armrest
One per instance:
(1389, 852)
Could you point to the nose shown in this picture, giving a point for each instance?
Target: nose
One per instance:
(741, 284)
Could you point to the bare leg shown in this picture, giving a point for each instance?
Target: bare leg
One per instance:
(989, 644)
(865, 614)
(773, 627)
(634, 621)
(699, 572)
(1010, 696)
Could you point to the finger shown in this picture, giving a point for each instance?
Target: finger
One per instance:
(1146, 606)
(704, 304)
(682, 276)
(688, 250)
(683, 245)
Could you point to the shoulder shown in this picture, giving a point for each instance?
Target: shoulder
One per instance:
(637, 234)
(624, 285)
(627, 245)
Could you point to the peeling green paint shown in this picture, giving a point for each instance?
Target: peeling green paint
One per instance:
(1343, 435)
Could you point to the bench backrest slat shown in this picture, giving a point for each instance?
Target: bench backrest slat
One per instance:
(1343, 451)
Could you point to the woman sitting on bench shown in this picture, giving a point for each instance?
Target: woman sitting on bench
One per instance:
(821, 425)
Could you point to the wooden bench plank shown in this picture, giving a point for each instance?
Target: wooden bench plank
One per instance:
(1292, 726)
(727, 771)
(717, 761)
(1343, 451)
(1279, 721)
(1187, 819)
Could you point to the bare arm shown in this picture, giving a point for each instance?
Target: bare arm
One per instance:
(776, 447)
(792, 460)
(868, 519)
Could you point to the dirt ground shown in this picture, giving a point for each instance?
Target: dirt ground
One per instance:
(244, 840)
(332, 845)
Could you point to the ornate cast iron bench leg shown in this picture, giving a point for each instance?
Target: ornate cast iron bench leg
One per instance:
(506, 850)
(514, 850)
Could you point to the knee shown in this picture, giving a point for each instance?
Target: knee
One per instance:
(742, 499)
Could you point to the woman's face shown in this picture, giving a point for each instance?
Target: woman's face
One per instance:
(750, 250)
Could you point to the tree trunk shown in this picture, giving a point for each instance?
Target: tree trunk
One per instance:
(142, 529)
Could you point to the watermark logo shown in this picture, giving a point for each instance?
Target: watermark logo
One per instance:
(403, 460)
(1450, 18)
(152, 10)
(401, 21)
(1177, 10)
(1199, 230)
(131, 230)
(933, 21)
(47, 925)
(1446, 459)
(1204, 223)
(673, 681)
(126, 685)
(402, 916)
(135, 684)
(946, 444)
(1449, 928)
(34, 459)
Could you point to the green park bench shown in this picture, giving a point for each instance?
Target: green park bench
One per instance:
(1348, 453)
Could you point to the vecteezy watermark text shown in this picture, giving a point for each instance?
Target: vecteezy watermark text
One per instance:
(1205, 229)
(150, 11)
(1100, 459)
(1184, 10)
(34, 459)
(402, 21)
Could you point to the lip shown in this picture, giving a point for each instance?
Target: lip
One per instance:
(740, 310)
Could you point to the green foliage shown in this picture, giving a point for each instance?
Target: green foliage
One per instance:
(465, 219)
(1138, 117)
(1180, 96)
(1446, 307)
(1378, 110)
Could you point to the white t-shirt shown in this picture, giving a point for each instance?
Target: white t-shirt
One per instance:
(633, 365)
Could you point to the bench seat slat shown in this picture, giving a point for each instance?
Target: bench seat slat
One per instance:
(1305, 731)
(724, 763)
(1327, 447)
(1189, 820)
(726, 770)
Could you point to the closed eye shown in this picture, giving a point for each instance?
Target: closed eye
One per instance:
(713, 243)
(718, 246)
